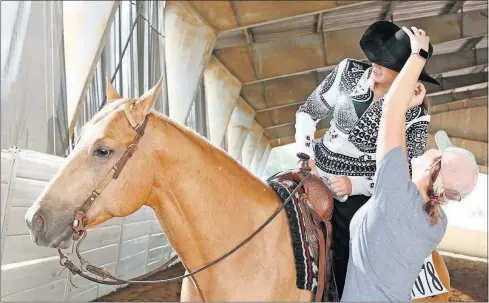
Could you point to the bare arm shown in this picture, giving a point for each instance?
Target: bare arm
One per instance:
(392, 130)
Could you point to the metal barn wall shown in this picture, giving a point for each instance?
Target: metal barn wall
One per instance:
(33, 90)
(127, 246)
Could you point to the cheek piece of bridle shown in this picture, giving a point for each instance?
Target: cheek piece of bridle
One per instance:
(80, 220)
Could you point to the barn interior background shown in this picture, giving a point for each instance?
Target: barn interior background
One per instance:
(235, 71)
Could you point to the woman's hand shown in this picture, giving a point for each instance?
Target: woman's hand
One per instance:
(418, 39)
(341, 185)
(418, 96)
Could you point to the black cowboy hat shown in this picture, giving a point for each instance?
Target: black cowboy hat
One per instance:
(386, 44)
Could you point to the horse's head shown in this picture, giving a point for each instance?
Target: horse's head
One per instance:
(103, 141)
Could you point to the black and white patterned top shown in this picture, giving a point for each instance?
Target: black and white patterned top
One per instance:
(349, 146)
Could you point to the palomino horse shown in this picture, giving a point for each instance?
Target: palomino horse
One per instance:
(205, 201)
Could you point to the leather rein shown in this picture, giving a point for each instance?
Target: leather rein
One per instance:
(80, 220)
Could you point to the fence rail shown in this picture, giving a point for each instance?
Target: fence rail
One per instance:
(128, 246)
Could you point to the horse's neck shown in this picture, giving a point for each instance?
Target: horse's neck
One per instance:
(206, 202)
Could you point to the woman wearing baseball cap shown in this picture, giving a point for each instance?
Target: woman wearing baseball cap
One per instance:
(402, 223)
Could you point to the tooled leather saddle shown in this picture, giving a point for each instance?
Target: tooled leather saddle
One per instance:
(314, 205)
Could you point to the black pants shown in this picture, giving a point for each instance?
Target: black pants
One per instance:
(342, 215)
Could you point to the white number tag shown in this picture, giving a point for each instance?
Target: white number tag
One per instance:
(428, 282)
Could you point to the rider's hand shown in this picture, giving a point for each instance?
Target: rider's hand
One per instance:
(418, 95)
(418, 39)
(312, 164)
(341, 185)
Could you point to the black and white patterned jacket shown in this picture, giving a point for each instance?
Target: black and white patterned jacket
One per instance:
(349, 146)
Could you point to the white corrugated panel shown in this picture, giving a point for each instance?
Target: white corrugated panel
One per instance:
(6, 172)
(120, 244)
(54, 291)
(132, 266)
(136, 230)
(133, 247)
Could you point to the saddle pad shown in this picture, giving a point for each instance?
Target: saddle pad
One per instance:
(304, 247)
(428, 283)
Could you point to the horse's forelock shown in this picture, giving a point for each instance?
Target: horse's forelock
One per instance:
(91, 125)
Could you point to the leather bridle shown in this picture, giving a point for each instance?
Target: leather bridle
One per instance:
(80, 220)
(80, 215)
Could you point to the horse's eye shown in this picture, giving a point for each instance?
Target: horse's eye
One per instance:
(102, 152)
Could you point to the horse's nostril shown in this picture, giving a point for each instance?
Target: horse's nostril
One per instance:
(38, 222)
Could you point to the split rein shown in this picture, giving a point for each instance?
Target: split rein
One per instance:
(80, 220)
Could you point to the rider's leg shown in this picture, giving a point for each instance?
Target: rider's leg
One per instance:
(342, 215)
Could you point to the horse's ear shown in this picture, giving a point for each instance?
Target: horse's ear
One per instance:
(147, 100)
(110, 91)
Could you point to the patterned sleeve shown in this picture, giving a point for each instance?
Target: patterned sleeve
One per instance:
(417, 123)
(318, 105)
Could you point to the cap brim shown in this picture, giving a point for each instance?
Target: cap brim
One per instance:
(442, 140)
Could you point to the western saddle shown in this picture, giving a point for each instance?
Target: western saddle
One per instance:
(317, 205)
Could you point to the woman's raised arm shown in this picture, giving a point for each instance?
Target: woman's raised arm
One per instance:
(400, 96)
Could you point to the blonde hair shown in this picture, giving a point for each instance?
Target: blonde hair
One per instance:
(435, 194)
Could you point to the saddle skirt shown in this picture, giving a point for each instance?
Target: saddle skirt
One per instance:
(308, 213)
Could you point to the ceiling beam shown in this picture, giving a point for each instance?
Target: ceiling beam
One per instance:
(251, 52)
(436, 64)
(454, 96)
(279, 107)
(231, 38)
(450, 79)
(461, 103)
(279, 125)
(456, 82)
(291, 139)
(463, 71)
(319, 24)
(320, 69)
(322, 41)
(453, 7)
(472, 43)
(248, 36)
(447, 98)
(235, 9)
(347, 6)
(472, 87)
(390, 10)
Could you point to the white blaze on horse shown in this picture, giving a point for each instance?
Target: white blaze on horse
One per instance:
(205, 201)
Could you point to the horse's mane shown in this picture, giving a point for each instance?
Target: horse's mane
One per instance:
(202, 142)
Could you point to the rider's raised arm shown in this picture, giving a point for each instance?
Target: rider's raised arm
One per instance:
(318, 105)
(398, 99)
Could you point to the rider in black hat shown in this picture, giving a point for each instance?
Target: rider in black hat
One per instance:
(345, 156)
